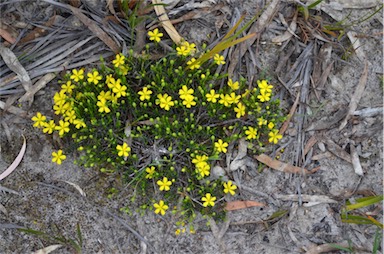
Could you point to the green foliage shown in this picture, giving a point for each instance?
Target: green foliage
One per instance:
(56, 236)
(347, 217)
(164, 123)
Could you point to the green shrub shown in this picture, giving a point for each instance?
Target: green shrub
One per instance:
(164, 123)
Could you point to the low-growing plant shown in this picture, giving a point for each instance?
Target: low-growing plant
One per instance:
(165, 124)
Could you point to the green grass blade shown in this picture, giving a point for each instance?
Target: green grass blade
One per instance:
(220, 47)
(233, 29)
(366, 202)
(355, 219)
(377, 241)
(340, 247)
(313, 5)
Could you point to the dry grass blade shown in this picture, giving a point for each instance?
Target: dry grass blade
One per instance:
(306, 198)
(281, 166)
(292, 111)
(259, 25)
(92, 25)
(60, 53)
(14, 110)
(334, 148)
(356, 96)
(3, 210)
(326, 248)
(287, 34)
(77, 187)
(237, 205)
(16, 162)
(13, 63)
(28, 96)
(48, 249)
(167, 25)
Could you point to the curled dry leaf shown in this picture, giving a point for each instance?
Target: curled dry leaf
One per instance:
(237, 205)
(16, 162)
(281, 166)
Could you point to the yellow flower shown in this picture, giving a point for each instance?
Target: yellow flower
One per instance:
(271, 125)
(240, 110)
(103, 107)
(79, 123)
(165, 101)
(233, 98)
(155, 35)
(39, 120)
(150, 171)
(94, 77)
(191, 47)
(208, 200)
(262, 121)
(182, 51)
(60, 97)
(66, 88)
(161, 207)
(63, 127)
(212, 96)
(203, 168)
(113, 83)
(123, 150)
(229, 187)
(189, 101)
(274, 136)
(178, 231)
(119, 60)
(119, 90)
(108, 78)
(61, 108)
(104, 95)
(219, 60)
(145, 94)
(251, 133)
(49, 127)
(221, 146)
(124, 70)
(77, 75)
(70, 116)
(225, 99)
(264, 96)
(199, 159)
(184, 92)
(58, 157)
(233, 86)
(164, 184)
(193, 64)
(263, 85)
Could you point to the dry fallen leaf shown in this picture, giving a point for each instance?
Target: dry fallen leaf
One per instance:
(16, 162)
(13, 63)
(237, 205)
(281, 166)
